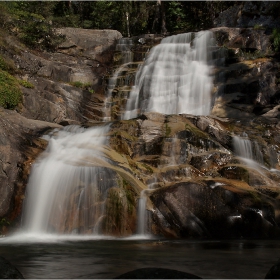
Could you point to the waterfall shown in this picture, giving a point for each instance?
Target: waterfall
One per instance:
(247, 149)
(68, 186)
(175, 78)
(123, 48)
(142, 219)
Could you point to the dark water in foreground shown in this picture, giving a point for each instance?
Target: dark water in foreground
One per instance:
(101, 259)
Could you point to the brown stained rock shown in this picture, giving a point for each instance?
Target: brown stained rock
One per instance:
(210, 161)
(212, 209)
(19, 146)
(120, 212)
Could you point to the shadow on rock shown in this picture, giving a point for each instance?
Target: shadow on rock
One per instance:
(8, 271)
(274, 272)
(157, 273)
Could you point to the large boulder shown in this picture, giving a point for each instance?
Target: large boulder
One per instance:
(68, 83)
(19, 146)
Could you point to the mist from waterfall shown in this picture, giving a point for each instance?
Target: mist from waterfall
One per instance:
(175, 78)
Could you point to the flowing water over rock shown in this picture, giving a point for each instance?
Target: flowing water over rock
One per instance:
(152, 172)
(66, 191)
(175, 78)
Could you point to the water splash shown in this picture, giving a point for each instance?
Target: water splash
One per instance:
(175, 78)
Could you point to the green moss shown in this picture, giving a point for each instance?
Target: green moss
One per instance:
(25, 84)
(276, 39)
(196, 131)
(148, 168)
(3, 222)
(7, 65)
(85, 86)
(10, 93)
(130, 196)
(116, 208)
(258, 27)
(167, 130)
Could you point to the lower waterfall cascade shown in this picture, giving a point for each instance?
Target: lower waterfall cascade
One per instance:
(83, 184)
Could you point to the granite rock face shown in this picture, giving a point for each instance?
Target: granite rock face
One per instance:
(82, 59)
(249, 14)
(19, 145)
(197, 185)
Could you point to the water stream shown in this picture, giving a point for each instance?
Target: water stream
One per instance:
(65, 190)
(175, 78)
(68, 186)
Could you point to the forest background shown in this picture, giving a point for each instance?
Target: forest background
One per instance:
(34, 22)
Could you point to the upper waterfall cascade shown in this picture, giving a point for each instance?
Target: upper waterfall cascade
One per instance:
(175, 78)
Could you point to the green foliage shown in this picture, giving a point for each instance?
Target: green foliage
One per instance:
(258, 27)
(25, 84)
(85, 86)
(7, 65)
(10, 93)
(247, 55)
(31, 21)
(276, 39)
(34, 21)
(4, 222)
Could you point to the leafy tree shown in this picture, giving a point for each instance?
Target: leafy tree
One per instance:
(32, 22)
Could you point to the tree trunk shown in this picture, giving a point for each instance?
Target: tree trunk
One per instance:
(163, 18)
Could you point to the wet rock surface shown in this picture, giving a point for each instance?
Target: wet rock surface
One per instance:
(19, 146)
(198, 186)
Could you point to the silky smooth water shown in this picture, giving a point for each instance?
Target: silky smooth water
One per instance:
(106, 259)
(67, 184)
(175, 77)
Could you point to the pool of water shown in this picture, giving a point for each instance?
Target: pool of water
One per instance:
(101, 259)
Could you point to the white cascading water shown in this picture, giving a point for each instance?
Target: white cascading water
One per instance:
(247, 149)
(124, 47)
(175, 78)
(67, 185)
(142, 219)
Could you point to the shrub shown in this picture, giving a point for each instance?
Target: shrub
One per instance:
(85, 86)
(25, 84)
(6, 65)
(276, 39)
(10, 93)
